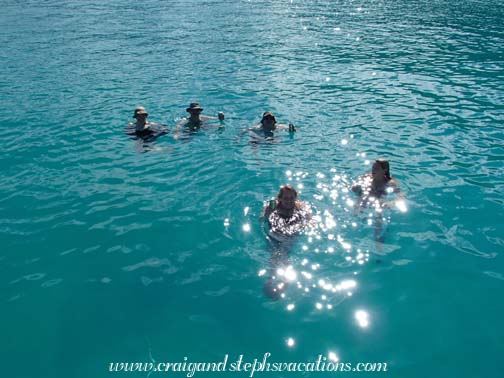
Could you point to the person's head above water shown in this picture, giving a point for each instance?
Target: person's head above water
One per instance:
(268, 119)
(287, 197)
(140, 112)
(141, 118)
(381, 169)
(194, 108)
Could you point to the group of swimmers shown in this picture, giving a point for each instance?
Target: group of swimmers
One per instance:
(148, 131)
(285, 216)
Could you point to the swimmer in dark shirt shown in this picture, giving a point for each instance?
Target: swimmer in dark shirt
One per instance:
(148, 131)
(195, 120)
(268, 127)
(286, 217)
(372, 189)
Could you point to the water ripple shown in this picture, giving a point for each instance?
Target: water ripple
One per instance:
(417, 82)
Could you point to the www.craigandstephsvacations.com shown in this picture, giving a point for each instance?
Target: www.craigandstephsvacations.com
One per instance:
(321, 364)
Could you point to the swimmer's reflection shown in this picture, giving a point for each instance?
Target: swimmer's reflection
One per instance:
(286, 217)
(372, 189)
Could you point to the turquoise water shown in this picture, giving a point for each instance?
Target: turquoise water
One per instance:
(118, 251)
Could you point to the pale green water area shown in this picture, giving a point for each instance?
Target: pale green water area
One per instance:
(115, 250)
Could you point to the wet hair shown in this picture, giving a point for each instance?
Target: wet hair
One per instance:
(384, 163)
(286, 188)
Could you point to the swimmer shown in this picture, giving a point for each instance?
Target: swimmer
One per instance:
(286, 217)
(372, 189)
(377, 184)
(148, 131)
(268, 127)
(195, 120)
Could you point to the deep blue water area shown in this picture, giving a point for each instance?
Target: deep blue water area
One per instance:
(117, 250)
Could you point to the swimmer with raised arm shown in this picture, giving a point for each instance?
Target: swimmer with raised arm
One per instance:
(373, 188)
(286, 217)
(268, 127)
(195, 120)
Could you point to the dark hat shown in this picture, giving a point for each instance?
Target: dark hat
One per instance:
(268, 114)
(140, 110)
(194, 106)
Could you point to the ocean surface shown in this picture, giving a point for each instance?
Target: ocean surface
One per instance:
(117, 250)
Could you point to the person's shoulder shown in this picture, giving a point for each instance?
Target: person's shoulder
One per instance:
(266, 212)
(130, 129)
(160, 129)
(364, 178)
(156, 126)
(393, 182)
(364, 181)
(184, 121)
(144, 131)
(304, 209)
(302, 205)
(367, 177)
